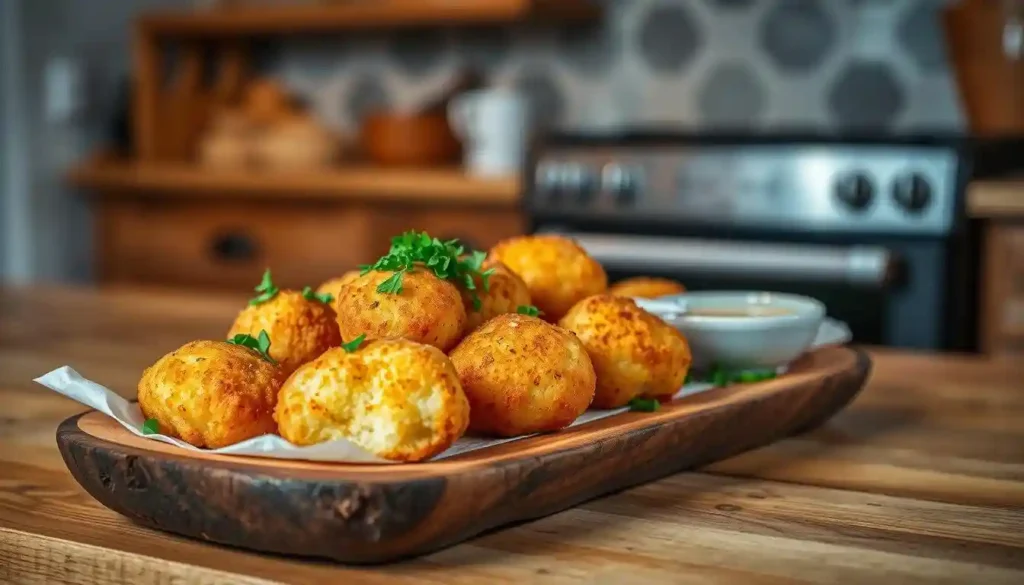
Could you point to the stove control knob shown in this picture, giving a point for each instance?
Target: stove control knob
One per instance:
(855, 191)
(572, 181)
(912, 192)
(622, 183)
(587, 185)
(550, 182)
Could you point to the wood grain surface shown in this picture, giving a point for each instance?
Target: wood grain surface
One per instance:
(312, 17)
(918, 481)
(226, 244)
(112, 177)
(363, 514)
(996, 198)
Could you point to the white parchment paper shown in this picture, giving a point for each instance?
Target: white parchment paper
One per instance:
(65, 380)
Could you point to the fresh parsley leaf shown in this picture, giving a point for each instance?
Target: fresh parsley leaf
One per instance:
(445, 259)
(260, 344)
(529, 310)
(263, 343)
(354, 344)
(719, 376)
(265, 288)
(644, 404)
(266, 283)
(309, 295)
(151, 427)
(751, 376)
(485, 278)
(476, 260)
(393, 285)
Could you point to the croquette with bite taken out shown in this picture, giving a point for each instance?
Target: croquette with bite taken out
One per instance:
(635, 353)
(557, 271)
(211, 394)
(523, 375)
(398, 399)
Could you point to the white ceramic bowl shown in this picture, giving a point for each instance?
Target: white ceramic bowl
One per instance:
(786, 329)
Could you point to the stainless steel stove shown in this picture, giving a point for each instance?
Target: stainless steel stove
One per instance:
(874, 227)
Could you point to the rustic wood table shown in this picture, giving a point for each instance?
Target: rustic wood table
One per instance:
(921, 480)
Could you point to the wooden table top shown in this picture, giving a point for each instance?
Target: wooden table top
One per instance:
(921, 480)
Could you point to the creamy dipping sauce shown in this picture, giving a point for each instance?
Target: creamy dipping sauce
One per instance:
(749, 311)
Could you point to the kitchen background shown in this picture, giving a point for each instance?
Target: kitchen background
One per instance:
(882, 68)
(709, 64)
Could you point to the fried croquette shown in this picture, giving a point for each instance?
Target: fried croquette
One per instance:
(523, 375)
(396, 398)
(557, 271)
(635, 354)
(506, 293)
(427, 309)
(646, 287)
(300, 329)
(211, 394)
(333, 286)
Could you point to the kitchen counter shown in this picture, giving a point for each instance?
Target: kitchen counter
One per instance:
(920, 480)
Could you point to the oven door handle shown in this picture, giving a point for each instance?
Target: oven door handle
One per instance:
(860, 265)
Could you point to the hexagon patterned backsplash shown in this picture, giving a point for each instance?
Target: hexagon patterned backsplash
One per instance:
(701, 65)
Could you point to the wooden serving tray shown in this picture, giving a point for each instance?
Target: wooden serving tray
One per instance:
(363, 514)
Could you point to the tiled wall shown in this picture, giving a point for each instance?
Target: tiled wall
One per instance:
(699, 64)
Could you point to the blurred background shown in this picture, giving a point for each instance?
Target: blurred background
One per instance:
(861, 151)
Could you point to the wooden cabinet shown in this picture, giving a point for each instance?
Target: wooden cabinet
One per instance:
(217, 243)
(162, 220)
(985, 40)
(1002, 310)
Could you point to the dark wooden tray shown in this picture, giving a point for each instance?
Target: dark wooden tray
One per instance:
(367, 514)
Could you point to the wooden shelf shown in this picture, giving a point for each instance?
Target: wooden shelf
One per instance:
(996, 199)
(352, 14)
(434, 186)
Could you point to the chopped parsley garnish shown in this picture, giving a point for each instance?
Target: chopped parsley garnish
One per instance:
(151, 427)
(354, 344)
(719, 376)
(750, 376)
(393, 285)
(413, 250)
(310, 295)
(644, 404)
(529, 310)
(259, 344)
(266, 290)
